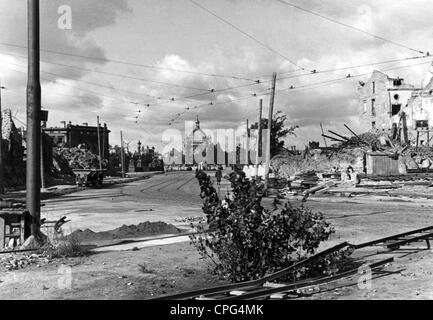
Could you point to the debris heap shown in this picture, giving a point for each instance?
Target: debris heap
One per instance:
(68, 159)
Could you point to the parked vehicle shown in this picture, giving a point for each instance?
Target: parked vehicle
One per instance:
(89, 177)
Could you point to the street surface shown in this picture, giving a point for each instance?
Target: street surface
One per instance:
(161, 197)
(174, 196)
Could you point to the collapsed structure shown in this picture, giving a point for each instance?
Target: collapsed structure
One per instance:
(397, 119)
(13, 151)
(402, 110)
(74, 136)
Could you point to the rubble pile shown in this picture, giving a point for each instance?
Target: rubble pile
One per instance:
(74, 158)
(13, 262)
(305, 180)
(351, 161)
(318, 161)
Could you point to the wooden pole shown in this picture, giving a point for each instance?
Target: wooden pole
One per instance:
(347, 127)
(270, 118)
(2, 190)
(323, 132)
(104, 132)
(248, 143)
(42, 161)
(33, 177)
(332, 138)
(339, 135)
(259, 134)
(99, 143)
(122, 154)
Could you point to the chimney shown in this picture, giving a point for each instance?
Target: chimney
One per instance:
(64, 123)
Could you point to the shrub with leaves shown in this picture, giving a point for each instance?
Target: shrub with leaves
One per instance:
(69, 247)
(245, 241)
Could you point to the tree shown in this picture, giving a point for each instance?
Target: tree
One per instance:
(278, 131)
(115, 159)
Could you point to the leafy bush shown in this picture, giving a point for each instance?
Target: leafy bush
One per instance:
(245, 241)
(69, 247)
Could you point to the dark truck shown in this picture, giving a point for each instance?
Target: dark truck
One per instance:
(89, 177)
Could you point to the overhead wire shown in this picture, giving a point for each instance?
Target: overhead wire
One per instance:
(133, 64)
(309, 86)
(349, 26)
(247, 35)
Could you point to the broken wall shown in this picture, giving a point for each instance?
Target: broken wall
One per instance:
(13, 151)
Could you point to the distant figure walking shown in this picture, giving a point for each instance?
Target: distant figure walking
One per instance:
(219, 175)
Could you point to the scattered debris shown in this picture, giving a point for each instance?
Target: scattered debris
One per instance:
(13, 262)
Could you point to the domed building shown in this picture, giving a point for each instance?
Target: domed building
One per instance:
(196, 139)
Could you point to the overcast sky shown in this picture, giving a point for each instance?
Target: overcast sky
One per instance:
(176, 34)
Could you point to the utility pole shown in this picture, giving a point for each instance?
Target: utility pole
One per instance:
(122, 154)
(99, 144)
(323, 132)
(103, 143)
(248, 143)
(270, 118)
(42, 161)
(33, 177)
(259, 134)
(2, 190)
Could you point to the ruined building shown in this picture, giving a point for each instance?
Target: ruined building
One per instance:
(72, 136)
(400, 109)
(13, 151)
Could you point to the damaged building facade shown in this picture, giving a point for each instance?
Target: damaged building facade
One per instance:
(13, 151)
(72, 136)
(403, 110)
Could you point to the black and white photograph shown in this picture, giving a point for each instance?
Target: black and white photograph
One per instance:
(216, 157)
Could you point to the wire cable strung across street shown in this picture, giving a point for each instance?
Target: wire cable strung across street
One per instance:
(76, 87)
(248, 35)
(131, 63)
(296, 88)
(349, 26)
(208, 91)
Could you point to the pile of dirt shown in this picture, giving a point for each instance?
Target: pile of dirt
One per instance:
(133, 231)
